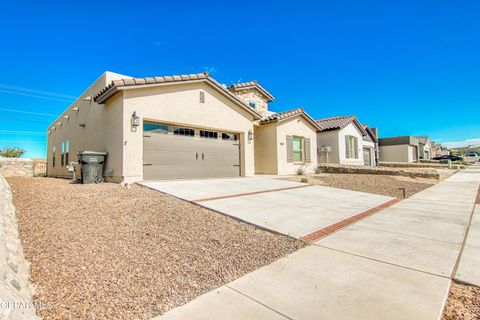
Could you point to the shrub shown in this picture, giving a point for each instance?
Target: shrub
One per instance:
(11, 152)
(318, 170)
(300, 171)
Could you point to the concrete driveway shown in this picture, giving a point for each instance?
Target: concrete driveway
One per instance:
(396, 264)
(291, 208)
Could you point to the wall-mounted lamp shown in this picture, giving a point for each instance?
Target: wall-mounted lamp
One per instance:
(135, 119)
(82, 125)
(250, 135)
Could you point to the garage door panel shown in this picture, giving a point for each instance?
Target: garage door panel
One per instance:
(168, 156)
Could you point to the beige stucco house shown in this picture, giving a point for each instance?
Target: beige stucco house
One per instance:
(399, 149)
(171, 127)
(425, 150)
(344, 140)
(286, 142)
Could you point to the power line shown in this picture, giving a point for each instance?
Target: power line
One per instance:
(20, 141)
(20, 132)
(29, 112)
(35, 91)
(36, 96)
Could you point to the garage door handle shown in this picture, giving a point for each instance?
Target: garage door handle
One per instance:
(196, 155)
(147, 164)
(203, 156)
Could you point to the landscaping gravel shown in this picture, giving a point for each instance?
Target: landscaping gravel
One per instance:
(463, 303)
(113, 252)
(377, 184)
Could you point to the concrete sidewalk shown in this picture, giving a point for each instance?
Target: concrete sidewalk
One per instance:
(396, 264)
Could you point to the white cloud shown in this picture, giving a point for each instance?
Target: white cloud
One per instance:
(211, 70)
(458, 144)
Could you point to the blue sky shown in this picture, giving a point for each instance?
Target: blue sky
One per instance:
(406, 67)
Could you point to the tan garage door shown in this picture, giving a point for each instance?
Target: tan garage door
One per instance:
(169, 156)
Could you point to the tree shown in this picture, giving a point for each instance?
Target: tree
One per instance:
(11, 152)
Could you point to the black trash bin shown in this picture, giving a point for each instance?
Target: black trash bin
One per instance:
(91, 166)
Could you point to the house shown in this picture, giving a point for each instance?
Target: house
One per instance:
(399, 149)
(370, 146)
(344, 140)
(286, 142)
(424, 148)
(438, 150)
(173, 127)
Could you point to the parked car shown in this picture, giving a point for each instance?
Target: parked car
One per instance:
(471, 154)
(449, 157)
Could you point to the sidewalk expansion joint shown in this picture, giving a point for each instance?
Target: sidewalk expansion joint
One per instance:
(316, 235)
(382, 261)
(259, 302)
(249, 193)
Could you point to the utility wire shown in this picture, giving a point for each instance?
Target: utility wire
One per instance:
(21, 132)
(36, 96)
(29, 112)
(34, 91)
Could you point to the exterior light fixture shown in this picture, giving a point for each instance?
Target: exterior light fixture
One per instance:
(135, 119)
(250, 135)
(82, 125)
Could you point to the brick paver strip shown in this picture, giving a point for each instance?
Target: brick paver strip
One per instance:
(314, 236)
(249, 193)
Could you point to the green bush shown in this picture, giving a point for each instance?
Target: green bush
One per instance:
(11, 152)
(300, 171)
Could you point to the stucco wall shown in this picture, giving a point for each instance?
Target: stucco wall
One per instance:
(295, 127)
(102, 131)
(350, 130)
(328, 138)
(180, 104)
(266, 149)
(396, 153)
(15, 289)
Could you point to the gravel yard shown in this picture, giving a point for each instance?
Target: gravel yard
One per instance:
(377, 184)
(463, 303)
(111, 252)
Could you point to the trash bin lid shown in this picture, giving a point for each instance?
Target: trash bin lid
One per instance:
(96, 153)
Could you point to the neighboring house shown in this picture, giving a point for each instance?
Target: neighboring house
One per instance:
(424, 148)
(370, 146)
(170, 127)
(399, 149)
(438, 150)
(285, 142)
(343, 140)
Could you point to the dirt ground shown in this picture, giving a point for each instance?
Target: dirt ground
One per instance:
(463, 303)
(377, 184)
(111, 252)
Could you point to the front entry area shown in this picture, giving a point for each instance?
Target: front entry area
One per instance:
(175, 152)
(367, 156)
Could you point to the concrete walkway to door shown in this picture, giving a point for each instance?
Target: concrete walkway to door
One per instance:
(396, 264)
(291, 208)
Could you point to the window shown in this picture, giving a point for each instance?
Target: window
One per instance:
(62, 156)
(229, 136)
(183, 131)
(208, 134)
(351, 151)
(53, 156)
(67, 149)
(297, 149)
(253, 105)
(153, 127)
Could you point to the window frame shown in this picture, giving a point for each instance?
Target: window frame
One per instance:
(228, 136)
(351, 152)
(62, 154)
(301, 151)
(207, 134)
(53, 156)
(182, 131)
(163, 127)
